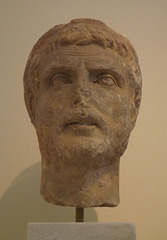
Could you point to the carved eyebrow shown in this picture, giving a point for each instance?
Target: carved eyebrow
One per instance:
(58, 64)
(59, 68)
(103, 69)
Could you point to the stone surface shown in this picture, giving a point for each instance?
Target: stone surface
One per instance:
(82, 91)
(81, 231)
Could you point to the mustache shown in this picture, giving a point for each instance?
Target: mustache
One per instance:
(88, 116)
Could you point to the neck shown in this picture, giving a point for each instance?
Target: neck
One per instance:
(81, 186)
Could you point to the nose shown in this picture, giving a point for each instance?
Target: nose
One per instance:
(81, 93)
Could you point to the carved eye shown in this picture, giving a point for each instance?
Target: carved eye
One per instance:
(106, 79)
(60, 79)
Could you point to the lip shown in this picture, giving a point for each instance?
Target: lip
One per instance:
(80, 127)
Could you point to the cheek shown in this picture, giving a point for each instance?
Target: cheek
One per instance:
(48, 107)
(114, 103)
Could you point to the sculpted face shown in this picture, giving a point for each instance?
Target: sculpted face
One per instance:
(83, 112)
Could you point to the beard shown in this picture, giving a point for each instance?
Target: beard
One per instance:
(80, 151)
(82, 137)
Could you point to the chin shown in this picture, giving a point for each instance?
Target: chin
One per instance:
(82, 150)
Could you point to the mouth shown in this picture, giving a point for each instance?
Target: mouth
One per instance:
(80, 128)
(82, 122)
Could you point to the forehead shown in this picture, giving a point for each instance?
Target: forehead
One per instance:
(92, 56)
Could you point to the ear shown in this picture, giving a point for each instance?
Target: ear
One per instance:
(134, 113)
(135, 106)
(29, 101)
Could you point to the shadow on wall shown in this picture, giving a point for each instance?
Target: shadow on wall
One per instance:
(22, 203)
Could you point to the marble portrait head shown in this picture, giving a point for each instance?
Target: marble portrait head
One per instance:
(82, 85)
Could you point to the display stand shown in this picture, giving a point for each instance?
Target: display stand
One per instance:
(81, 231)
(79, 215)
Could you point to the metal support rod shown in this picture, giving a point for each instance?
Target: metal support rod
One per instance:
(79, 215)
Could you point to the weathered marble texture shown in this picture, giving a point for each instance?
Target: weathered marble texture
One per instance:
(82, 91)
